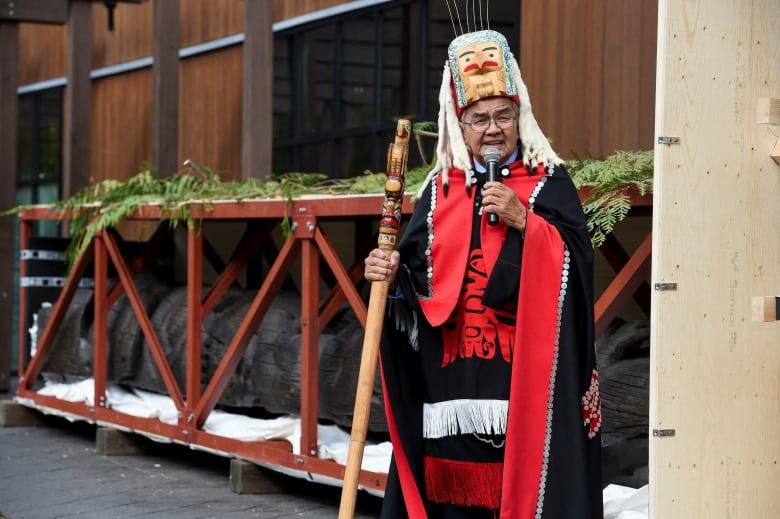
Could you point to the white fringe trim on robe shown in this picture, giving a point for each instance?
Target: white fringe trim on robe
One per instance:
(464, 417)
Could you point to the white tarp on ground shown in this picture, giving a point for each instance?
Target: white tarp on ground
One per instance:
(619, 502)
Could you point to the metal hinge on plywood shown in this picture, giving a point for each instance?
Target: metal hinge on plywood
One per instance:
(663, 432)
(668, 140)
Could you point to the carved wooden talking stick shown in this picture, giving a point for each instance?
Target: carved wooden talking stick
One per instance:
(389, 225)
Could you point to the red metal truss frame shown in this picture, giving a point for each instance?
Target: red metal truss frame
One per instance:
(307, 242)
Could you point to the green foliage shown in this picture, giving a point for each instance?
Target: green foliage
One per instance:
(105, 204)
(611, 179)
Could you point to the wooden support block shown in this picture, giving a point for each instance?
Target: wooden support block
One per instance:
(768, 110)
(13, 414)
(766, 308)
(248, 478)
(113, 442)
(776, 152)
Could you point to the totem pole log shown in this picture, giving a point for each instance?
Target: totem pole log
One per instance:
(389, 225)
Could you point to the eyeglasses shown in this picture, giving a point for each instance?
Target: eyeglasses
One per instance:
(504, 122)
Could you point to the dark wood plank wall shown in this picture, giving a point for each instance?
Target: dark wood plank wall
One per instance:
(589, 66)
(590, 70)
(210, 132)
(284, 9)
(201, 21)
(131, 39)
(205, 20)
(210, 118)
(121, 123)
(42, 52)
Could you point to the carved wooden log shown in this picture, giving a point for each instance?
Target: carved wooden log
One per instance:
(624, 380)
(624, 387)
(70, 357)
(125, 339)
(256, 369)
(169, 320)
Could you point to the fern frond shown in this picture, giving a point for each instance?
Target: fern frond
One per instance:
(611, 179)
(107, 203)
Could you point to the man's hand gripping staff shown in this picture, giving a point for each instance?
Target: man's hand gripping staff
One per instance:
(389, 226)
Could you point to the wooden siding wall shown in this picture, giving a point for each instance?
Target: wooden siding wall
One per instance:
(210, 118)
(590, 71)
(41, 52)
(589, 66)
(284, 9)
(201, 21)
(121, 112)
(131, 38)
(210, 131)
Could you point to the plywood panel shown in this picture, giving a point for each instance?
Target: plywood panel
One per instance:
(715, 374)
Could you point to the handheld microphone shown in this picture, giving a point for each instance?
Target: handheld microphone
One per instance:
(492, 156)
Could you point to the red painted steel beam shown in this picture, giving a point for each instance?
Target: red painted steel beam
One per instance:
(350, 206)
(248, 245)
(623, 286)
(100, 331)
(58, 314)
(194, 316)
(212, 256)
(617, 257)
(332, 303)
(138, 263)
(235, 351)
(270, 253)
(345, 283)
(310, 281)
(269, 452)
(326, 206)
(144, 322)
(25, 231)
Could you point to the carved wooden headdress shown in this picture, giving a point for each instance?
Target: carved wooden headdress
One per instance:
(480, 65)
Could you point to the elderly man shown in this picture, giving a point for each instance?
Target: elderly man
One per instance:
(487, 358)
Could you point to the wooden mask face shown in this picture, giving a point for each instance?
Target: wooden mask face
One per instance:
(480, 64)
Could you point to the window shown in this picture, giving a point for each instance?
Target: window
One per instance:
(340, 83)
(38, 178)
(40, 152)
